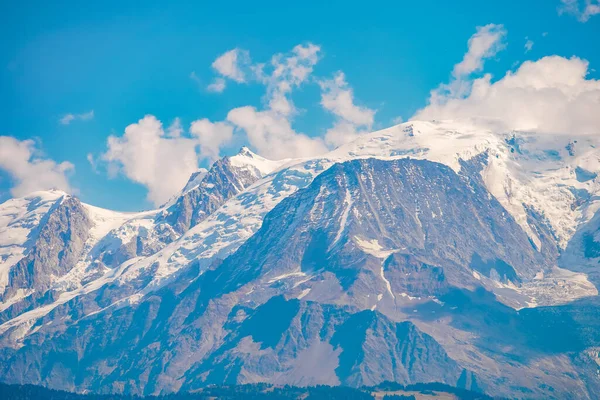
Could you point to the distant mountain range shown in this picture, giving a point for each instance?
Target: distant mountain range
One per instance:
(427, 252)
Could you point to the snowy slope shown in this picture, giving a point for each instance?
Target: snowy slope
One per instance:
(108, 220)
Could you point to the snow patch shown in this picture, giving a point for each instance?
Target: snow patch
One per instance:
(19, 295)
(106, 220)
(409, 297)
(559, 286)
(373, 247)
(386, 281)
(344, 218)
(285, 276)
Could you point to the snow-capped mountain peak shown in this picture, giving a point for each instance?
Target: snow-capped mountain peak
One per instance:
(525, 171)
(246, 158)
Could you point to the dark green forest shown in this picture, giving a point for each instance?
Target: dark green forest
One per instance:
(247, 392)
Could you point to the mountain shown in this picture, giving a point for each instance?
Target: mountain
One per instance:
(55, 247)
(427, 252)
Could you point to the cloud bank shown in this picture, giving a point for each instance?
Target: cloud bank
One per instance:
(269, 130)
(29, 170)
(351, 120)
(148, 155)
(550, 95)
(232, 65)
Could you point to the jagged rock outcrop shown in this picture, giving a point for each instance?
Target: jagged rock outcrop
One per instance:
(203, 195)
(412, 276)
(57, 248)
(223, 181)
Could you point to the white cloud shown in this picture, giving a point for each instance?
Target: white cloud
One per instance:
(86, 116)
(68, 118)
(29, 170)
(211, 136)
(550, 95)
(195, 78)
(175, 129)
(148, 155)
(485, 43)
(232, 64)
(338, 98)
(284, 72)
(270, 130)
(582, 9)
(528, 45)
(162, 160)
(272, 134)
(92, 161)
(342, 132)
(288, 71)
(398, 120)
(217, 86)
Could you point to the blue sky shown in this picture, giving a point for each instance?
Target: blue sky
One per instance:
(126, 60)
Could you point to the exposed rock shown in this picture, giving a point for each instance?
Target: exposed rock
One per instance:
(56, 251)
(223, 181)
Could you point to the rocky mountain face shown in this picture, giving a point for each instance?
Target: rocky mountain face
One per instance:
(57, 248)
(429, 252)
(222, 182)
(203, 194)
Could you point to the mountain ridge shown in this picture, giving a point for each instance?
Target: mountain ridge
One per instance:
(403, 224)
